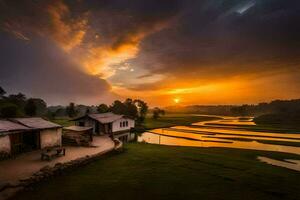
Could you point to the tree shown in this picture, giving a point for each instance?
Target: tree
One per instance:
(9, 110)
(131, 109)
(2, 92)
(118, 107)
(102, 108)
(157, 112)
(30, 108)
(41, 106)
(71, 111)
(17, 99)
(142, 108)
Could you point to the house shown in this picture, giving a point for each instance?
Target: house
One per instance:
(116, 126)
(19, 135)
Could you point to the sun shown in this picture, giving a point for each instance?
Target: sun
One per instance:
(176, 100)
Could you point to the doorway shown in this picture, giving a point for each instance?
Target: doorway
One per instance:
(24, 142)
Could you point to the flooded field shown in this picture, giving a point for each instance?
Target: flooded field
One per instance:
(229, 133)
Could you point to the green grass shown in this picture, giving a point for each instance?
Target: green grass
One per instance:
(169, 120)
(146, 171)
(63, 121)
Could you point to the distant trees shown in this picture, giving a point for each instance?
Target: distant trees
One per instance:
(240, 110)
(17, 105)
(157, 112)
(102, 108)
(70, 110)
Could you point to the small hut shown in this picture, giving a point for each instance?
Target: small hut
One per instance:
(78, 135)
(19, 135)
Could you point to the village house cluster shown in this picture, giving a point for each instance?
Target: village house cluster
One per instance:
(19, 135)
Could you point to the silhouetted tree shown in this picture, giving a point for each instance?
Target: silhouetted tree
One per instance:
(2, 92)
(157, 112)
(102, 108)
(87, 111)
(118, 107)
(71, 111)
(130, 109)
(30, 107)
(142, 108)
(17, 99)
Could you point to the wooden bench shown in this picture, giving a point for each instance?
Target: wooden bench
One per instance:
(50, 153)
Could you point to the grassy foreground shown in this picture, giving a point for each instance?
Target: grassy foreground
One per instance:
(146, 171)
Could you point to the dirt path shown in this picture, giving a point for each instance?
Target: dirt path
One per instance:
(29, 163)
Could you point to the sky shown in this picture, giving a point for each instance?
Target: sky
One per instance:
(169, 52)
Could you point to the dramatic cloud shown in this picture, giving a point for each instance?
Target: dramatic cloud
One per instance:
(153, 49)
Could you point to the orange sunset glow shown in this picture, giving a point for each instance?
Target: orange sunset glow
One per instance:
(149, 99)
(225, 57)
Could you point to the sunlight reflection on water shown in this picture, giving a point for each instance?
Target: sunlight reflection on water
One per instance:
(214, 135)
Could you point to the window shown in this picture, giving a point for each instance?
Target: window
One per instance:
(126, 123)
(120, 124)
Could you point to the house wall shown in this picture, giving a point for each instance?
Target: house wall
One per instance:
(116, 125)
(51, 137)
(5, 144)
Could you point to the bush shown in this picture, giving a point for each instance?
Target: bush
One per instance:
(9, 110)
(279, 119)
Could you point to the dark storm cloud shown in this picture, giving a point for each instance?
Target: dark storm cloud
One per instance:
(59, 42)
(226, 38)
(162, 41)
(41, 69)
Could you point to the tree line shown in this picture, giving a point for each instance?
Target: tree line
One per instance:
(18, 105)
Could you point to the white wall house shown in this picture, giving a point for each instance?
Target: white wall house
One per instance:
(117, 126)
(19, 135)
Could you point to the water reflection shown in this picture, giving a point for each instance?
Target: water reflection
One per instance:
(288, 163)
(205, 135)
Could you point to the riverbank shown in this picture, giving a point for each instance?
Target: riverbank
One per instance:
(164, 172)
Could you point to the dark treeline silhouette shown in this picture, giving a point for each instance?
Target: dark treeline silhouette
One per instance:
(136, 109)
(157, 112)
(281, 112)
(18, 105)
(201, 109)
